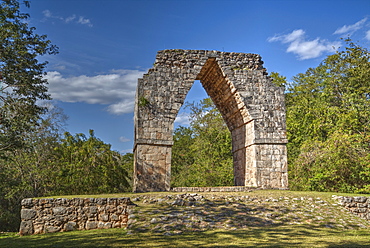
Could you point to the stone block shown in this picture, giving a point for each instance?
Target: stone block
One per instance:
(104, 217)
(70, 226)
(52, 229)
(28, 214)
(26, 228)
(91, 225)
(59, 210)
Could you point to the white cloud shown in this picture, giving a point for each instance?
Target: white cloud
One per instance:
(116, 89)
(303, 48)
(182, 119)
(123, 139)
(367, 35)
(84, 21)
(70, 19)
(47, 13)
(122, 107)
(295, 35)
(351, 28)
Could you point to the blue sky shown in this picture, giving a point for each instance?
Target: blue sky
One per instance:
(106, 45)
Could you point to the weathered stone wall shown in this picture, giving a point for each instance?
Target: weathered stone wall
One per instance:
(61, 214)
(358, 205)
(253, 109)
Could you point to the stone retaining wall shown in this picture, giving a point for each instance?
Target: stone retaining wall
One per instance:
(61, 214)
(358, 205)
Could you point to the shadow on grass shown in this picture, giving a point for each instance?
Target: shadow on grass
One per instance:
(292, 236)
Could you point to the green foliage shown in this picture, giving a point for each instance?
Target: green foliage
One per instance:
(143, 102)
(35, 161)
(22, 153)
(21, 75)
(341, 163)
(127, 161)
(29, 171)
(328, 122)
(52, 166)
(88, 165)
(278, 79)
(201, 155)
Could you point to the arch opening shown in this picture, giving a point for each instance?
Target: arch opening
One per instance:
(201, 154)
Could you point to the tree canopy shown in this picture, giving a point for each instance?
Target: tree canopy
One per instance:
(35, 158)
(328, 122)
(21, 75)
(202, 152)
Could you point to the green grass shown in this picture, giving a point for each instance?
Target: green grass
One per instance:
(283, 236)
(295, 224)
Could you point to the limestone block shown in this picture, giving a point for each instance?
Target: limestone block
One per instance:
(27, 214)
(59, 210)
(104, 217)
(70, 226)
(91, 225)
(26, 228)
(38, 228)
(52, 229)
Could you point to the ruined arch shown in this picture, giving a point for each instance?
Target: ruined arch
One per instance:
(253, 109)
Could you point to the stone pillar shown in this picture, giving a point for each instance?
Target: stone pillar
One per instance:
(152, 171)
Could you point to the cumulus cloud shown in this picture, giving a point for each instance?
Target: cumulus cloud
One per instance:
(122, 107)
(350, 29)
(69, 19)
(116, 89)
(182, 119)
(303, 48)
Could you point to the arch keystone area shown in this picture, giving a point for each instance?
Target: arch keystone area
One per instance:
(253, 109)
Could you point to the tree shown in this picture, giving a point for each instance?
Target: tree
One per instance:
(21, 75)
(127, 161)
(88, 166)
(202, 152)
(21, 86)
(328, 123)
(29, 171)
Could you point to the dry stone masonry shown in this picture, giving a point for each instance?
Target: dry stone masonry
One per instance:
(252, 106)
(358, 205)
(61, 214)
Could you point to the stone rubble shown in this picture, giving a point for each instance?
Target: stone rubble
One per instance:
(189, 212)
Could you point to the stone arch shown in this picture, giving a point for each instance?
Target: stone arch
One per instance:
(253, 109)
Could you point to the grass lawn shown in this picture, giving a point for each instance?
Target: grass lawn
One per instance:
(262, 218)
(283, 236)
